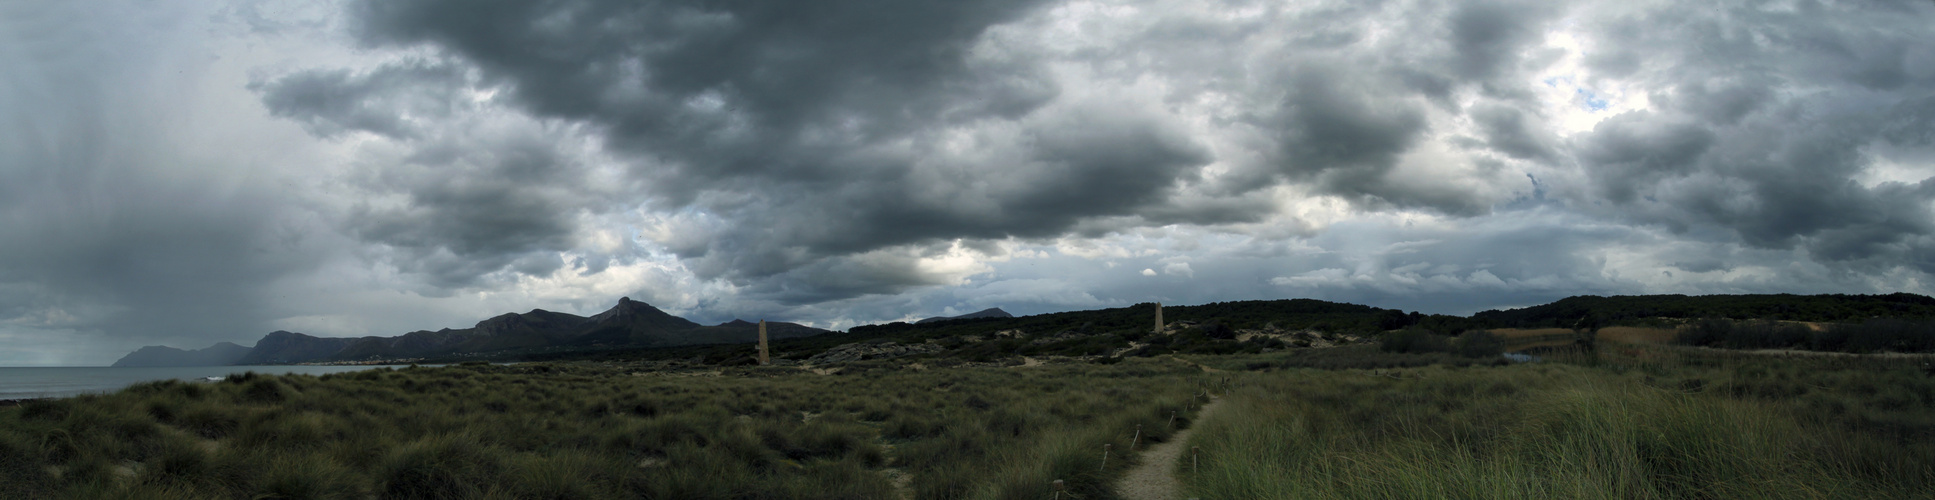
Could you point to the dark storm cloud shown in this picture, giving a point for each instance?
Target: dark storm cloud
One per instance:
(474, 193)
(1765, 128)
(751, 88)
(1511, 131)
(845, 119)
(1638, 148)
(1488, 38)
(1349, 104)
(817, 151)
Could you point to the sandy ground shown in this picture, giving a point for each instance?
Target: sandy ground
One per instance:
(1155, 478)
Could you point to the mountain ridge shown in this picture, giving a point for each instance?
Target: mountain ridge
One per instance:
(992, 312)
(222, 353)
(630, 323)
(632, 326)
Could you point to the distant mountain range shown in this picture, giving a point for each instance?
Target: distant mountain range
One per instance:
(629, 324)
(992, 312)
(637, 329)
(222, 353)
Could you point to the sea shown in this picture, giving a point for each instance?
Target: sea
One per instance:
(65, 381)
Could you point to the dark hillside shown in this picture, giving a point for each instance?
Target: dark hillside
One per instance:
(1588, 311)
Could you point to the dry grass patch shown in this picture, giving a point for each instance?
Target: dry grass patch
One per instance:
(1637, 335)
(1530, 333)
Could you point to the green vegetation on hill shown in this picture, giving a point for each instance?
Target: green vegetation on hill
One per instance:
(1874, 335)
(1292, 314)
(1589, 311)
(1213, 328)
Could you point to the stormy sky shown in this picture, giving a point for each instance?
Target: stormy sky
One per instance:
(188, 172)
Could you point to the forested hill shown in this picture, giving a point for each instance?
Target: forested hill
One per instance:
(1214, 328)
(1573, 312)
(1290, 314)
(1591, 311)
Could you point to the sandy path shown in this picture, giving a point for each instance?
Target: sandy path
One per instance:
(1155, 478)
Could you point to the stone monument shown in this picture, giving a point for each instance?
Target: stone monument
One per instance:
(1158, 317)
(763, 360)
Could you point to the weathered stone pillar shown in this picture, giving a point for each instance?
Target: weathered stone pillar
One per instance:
(1158, 317)
(763, 360)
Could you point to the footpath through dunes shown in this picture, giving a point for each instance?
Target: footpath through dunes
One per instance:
(1155, 477)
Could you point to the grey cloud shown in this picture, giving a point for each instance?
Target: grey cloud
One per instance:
(811, 136)
(1632, 150)
(1722, 100)
(394, 100)
(1488, 38)
(1911, 122)
(1329, 125)
(1508, 130)
(474, 194)
(120, 223)
(1345, 137)
(1767, 123)
(479, 205)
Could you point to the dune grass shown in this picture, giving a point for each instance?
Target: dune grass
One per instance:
(1625, 427)
(579, 430)
(1618, 421)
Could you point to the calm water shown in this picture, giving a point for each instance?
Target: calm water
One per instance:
(22, 383)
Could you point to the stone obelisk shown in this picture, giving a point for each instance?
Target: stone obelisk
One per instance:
(763, 360)
(1158, 317)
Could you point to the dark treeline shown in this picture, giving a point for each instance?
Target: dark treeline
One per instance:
(1589, 311)
(1873, 335)
(1205, 329)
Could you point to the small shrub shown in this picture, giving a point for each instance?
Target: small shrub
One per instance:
(439, 467)
(265, 390)
(1480, 344)
(23, 470)
(1415, 341)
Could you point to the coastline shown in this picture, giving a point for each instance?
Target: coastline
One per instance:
(21, 384)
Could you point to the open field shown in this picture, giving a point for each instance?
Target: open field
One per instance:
(1620, 421)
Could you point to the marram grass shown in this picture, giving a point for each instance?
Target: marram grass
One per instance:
(1627, 422)
(1539, 431)
(583, 430)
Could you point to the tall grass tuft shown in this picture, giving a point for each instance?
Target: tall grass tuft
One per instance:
(1532, 432)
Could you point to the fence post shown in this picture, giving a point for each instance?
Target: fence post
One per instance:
(1195, 455)
(1137, 440)
(1059, 487)
(1172, 419)
(1105, 455)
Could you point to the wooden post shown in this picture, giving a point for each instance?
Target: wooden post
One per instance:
(1158, 317)
(1137, 439)
(1105, 455)
(1059, 488)
(1172, 419)
(763, 360)
(1195, 452)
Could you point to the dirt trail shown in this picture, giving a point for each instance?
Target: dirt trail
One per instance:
(1155, 478)
(1206, 368)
